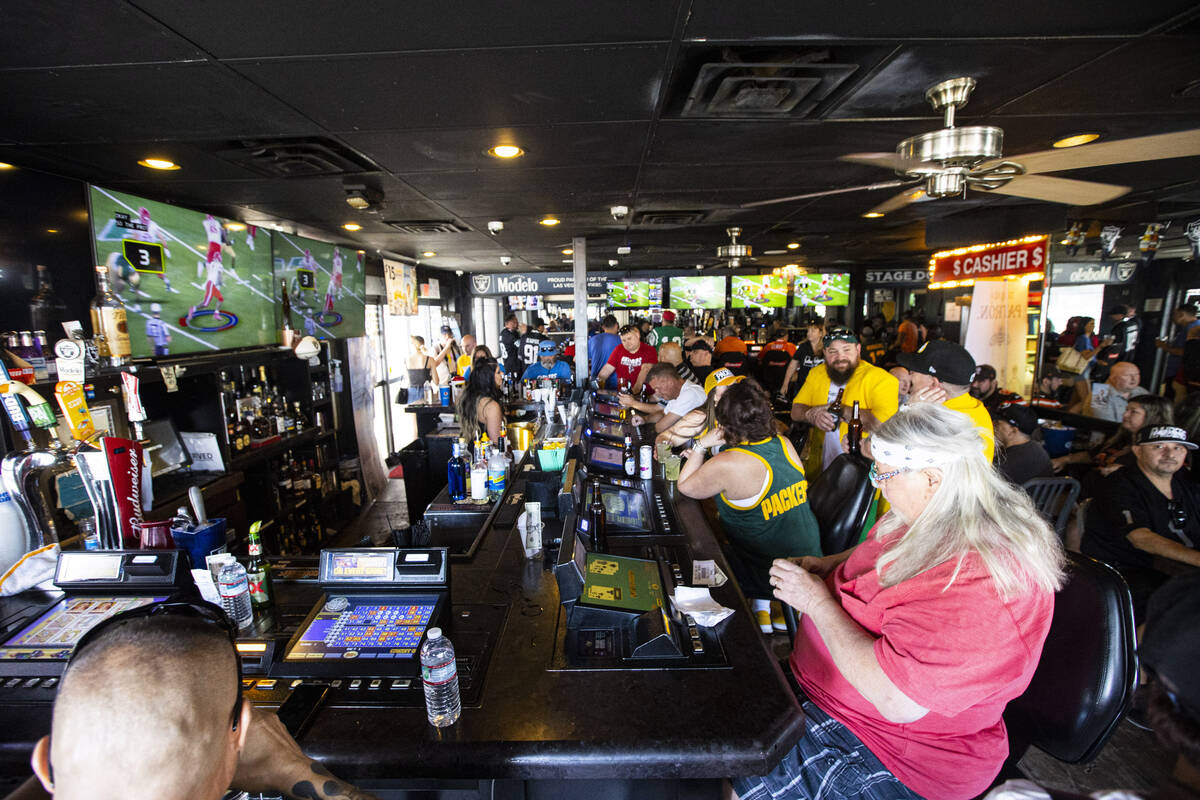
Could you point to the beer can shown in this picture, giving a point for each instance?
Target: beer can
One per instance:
(645, 461)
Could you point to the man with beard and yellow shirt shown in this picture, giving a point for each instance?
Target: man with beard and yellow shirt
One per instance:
(941, 372)
(875, 390)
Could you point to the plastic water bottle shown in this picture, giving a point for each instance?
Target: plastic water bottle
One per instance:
(439, 674)
(497, 469)
(234, 589)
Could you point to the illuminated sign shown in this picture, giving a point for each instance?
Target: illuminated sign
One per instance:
(965, 265)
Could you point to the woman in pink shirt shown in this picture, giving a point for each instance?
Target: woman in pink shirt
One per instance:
(912, 643)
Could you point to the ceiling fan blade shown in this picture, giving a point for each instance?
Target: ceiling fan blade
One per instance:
(867, 188)
(913, 195)
(890, 161)
(1122, 151)
(1059, 190)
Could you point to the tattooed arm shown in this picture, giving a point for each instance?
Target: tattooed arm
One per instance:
(272, 761)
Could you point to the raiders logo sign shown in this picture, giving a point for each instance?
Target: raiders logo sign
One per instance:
(482, 283)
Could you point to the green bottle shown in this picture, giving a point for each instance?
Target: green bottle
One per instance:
(258, 571)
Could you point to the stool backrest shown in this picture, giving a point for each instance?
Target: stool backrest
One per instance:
(1054, 498)
(840, 499)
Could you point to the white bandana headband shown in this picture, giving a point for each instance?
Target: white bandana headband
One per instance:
(906, 456)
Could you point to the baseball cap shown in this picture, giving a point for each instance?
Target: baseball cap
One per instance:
(447, 329)
(1120, 308)
(538, 322)
(1020, 417)
(1170, 642)
(546, 348)
(721, 377)
(1051, 371)
(840, 335)
(698, 344)
(668, 316)
(985, 372)
(1171, 434)
(946, 361)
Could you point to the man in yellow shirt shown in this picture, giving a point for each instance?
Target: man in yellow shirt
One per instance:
(875, 390)
(468, 355)
(941, 372)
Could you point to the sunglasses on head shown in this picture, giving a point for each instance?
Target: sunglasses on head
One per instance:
(840, 335)
(628, 329)
(200, 610)
(1178, 514)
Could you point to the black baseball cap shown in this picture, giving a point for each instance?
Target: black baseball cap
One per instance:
(538, 322)
(1017, 415)
(447, 329)
(946, 361)
(1168, 434)
(698, 344)
(1051, 371)
(985, 372)
(1171, 639)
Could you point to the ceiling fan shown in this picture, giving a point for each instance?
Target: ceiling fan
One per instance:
(948, 161)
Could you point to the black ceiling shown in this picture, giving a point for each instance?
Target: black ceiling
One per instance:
(597, 94)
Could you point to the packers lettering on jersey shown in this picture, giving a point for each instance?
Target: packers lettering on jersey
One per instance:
(789, 497)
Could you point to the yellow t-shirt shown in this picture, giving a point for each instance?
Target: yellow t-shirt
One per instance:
(876, 390)
(464, 364)
(966, 404)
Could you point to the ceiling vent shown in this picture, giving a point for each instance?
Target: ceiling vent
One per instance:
(427, 227)
(309, 157)
(671, 249)
(775, 89)
(669, 217)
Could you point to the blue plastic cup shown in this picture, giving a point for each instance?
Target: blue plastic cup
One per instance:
(202, 542)
(445, 394)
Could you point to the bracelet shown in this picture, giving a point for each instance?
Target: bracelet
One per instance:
(697, 447)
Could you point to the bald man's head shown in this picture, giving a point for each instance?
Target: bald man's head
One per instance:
(671, 353)
(150, 704)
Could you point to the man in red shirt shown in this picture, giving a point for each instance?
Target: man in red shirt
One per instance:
(631, 361)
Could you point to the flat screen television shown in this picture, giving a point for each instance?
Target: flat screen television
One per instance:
(191, 282)
(635, 293)
(759, 291)
(823, 288)
(698, 291)
(326, 286)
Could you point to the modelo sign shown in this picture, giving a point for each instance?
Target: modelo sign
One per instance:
(543, 283)
(999, 260)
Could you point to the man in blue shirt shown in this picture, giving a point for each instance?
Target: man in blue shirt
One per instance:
(601, 346)
(547, 364)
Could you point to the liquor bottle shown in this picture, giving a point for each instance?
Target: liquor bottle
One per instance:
(456, 475)
(108, 320)
(597, 520)
(287, 334)
(836, 408)
(258, 571)
(259, 427)
(47, 311)
(630, 457)
(854, 434)
(298, 416)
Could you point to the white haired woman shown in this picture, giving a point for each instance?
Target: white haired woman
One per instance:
(912, 643)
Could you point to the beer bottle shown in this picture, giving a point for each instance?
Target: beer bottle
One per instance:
(836, 406)
(258, 571)
(854, 433)
(597, 520)
(630, 457)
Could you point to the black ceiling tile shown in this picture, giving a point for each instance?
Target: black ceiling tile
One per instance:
(898, 88)
(466, 148)
(733, 142)
(767, 20)
(488, 88)
(549, 191)
(796, 177)
(1144, 78)
(258, 29)
(49, 33)
(149, 101)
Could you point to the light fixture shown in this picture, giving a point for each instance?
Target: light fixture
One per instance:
(51, 230)
(793, 245)
(505, 151)
(1076, 139)
(699, 266)
(624, 250)
(6, 165)
(234, 226)
(549, 221)
(567, 251)
(873, 215)
(361, 197)
(428, 254)
(352, 226)
(495, 226)
(612, 262)
(158, 163)
(458, 272)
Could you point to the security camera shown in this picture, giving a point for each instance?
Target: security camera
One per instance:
(612, 262)
(624, 250)
(505, 260)
(495, 226)
(619, 212)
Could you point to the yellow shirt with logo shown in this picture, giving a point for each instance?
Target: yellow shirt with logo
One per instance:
(966, 404)
(874, 389)
(464, 364)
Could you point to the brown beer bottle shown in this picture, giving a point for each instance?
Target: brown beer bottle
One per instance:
(854, 434)
(836, 407)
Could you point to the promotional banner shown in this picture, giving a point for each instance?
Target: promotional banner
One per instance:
(542, 283)
(1064, 273)
(998, 260)
(898, 277)
(996, 329)
(400, 283)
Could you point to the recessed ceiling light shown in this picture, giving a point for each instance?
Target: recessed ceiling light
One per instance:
(567, 251)
(793, 245)
(429, 254)
(549, 221)
(234, 226)
(1076, 139)
(158, 163)
(505, 151)
(873, 214)
(51, 230)
(352, 226)
(6, 165)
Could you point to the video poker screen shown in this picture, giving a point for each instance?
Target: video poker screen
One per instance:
(607, 410)
(52, 636)
(612, 430)
(364, 627)
(625, 508)
(607, 457)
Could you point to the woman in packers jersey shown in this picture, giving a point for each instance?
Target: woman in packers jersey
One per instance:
(761, 491)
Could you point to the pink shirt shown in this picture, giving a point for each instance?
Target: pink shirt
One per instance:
(961, 652)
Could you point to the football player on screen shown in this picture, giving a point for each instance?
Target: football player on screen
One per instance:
(153, 234)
